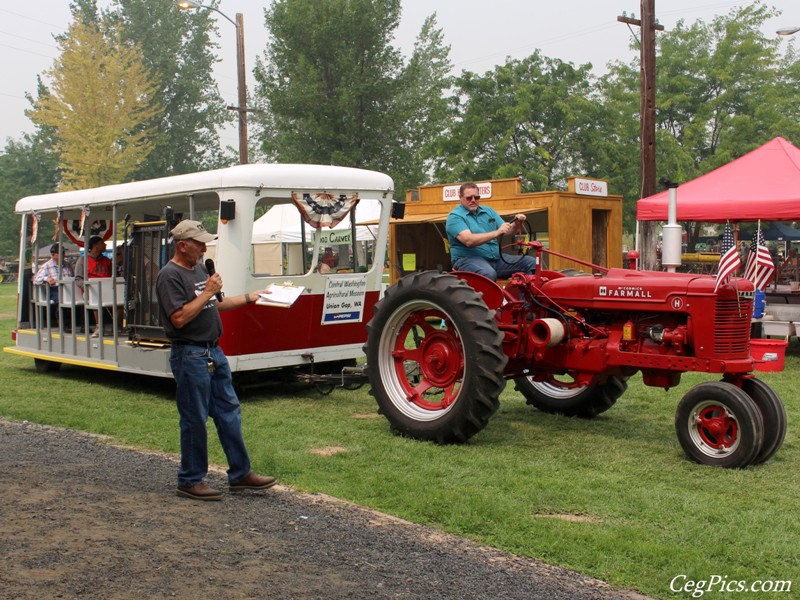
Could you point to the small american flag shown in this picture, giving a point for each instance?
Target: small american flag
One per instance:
(729, 261)
(760, 269)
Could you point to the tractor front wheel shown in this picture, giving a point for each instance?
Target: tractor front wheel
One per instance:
(718, 424)
(773, 414)
(434, 356)
(565, 395)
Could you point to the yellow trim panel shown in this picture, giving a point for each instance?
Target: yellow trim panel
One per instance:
(66, 361)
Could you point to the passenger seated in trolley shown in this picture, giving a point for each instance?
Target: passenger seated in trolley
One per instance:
(49, 274)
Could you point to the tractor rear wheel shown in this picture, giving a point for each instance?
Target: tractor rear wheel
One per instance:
(435, 358)
(563, 395)
(718, 424)
(773, 414)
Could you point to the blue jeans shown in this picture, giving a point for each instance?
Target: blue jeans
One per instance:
(494, 269)
(202, 394)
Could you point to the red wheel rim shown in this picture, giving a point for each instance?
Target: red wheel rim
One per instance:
(716, 427)
(438, 356)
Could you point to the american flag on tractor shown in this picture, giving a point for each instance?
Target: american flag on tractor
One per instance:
(729, 261)
(759, 269)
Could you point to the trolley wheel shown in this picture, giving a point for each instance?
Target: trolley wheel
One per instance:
(46, 366)
(718, 424)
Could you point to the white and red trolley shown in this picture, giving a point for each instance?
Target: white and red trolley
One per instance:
(323, 328)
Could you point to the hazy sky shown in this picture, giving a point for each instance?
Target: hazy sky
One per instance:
(481, 34)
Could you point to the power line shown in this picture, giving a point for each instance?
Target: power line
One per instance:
(29, 18)
(27, 51)
(590, 30)
(27, 39)
(538, 45)
(13, 96)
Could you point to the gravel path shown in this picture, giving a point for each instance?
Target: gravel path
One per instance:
(81, 518)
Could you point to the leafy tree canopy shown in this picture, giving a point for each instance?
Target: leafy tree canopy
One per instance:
(334, 90)
(99, 106)
(723, 89)
(27, 168)
(525, 118)
(338, 92)
(176, 45)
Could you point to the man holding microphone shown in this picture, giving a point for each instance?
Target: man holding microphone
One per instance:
(190, 299)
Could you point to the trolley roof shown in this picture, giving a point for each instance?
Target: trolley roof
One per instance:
(293, 177)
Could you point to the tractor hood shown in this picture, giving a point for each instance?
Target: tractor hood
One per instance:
(619, 287)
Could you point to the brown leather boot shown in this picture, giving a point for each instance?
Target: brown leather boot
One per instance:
(199, 491)
(253, 481)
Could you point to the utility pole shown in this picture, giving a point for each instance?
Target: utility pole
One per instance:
(240, 73)
(242, 90)
(647, 112)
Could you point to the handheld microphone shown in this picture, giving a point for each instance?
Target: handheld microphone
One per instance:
(211, 270)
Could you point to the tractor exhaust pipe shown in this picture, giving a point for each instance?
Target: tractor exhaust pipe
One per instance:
(547, 332)
(672, 233)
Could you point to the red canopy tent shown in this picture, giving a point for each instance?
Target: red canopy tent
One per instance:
(762, 184)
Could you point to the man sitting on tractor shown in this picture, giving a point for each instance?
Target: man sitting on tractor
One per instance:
(473, 231)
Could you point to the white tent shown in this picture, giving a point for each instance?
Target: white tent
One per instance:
(277, 236)
(281, 223)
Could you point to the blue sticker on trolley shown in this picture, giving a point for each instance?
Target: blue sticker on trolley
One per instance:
(342, 317)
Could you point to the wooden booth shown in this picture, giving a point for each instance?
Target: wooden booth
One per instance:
(584, 222)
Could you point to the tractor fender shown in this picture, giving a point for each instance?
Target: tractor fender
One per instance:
(493, 294)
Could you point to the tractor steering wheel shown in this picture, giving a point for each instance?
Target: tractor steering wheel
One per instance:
(508, 240)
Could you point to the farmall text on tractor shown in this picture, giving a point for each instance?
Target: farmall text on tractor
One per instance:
(442, 345)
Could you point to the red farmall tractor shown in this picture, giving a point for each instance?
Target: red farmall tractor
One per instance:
(441, 346)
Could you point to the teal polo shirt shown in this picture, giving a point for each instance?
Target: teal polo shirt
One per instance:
(484, 220)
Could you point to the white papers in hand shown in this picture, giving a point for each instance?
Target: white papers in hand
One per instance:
(280, 295)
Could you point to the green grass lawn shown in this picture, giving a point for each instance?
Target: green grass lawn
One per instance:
(613, 497)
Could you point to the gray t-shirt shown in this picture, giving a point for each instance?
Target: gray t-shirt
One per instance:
(177, 286)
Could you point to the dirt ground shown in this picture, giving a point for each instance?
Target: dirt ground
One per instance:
(82, 518)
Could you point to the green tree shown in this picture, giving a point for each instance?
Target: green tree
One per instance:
(713, 81)
(334, 90)
(176, 45)
(425, 117)
(613, 152)
(98, 106)
(722, 90)
(27, 167)
(784, 103)
(525, 118)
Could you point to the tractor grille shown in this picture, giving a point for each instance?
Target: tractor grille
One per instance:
(732, 326)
